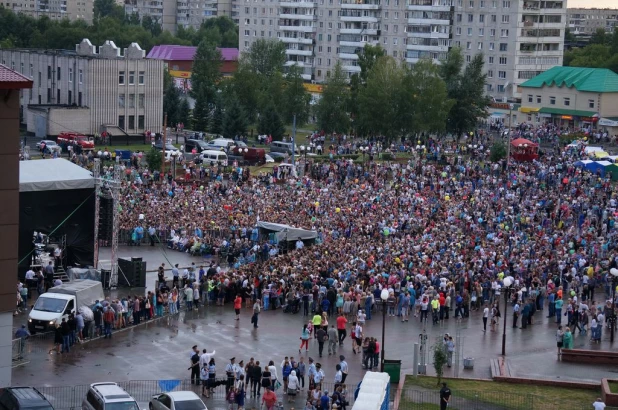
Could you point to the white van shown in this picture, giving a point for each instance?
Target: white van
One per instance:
(219, 143)
(108, 396)
(283, 147)
(212, 157)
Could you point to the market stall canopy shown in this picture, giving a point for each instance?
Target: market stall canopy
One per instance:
(613, 171)
(583, 163)
(520, 142)
(589, 150)
(600, 154)
(283, 232)
(53, 175)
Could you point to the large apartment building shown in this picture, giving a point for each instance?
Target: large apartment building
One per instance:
(88, 90)
(585, 22)
(54, 9)
(174, 13)
(518, 38)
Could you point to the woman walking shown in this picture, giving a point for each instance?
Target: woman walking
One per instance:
(237, 306)
(559, 340)
(304, 339)
(212, 373)
(567, 339)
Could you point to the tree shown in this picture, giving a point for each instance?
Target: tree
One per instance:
(216, 121)
(295, 99)
(599, 37)
(153, 159)
(439, 360)
(244, 85)
(201, 112)
(235, 120)
(206, 70)
(498, 151)
(223, 27)
(171, 104)
(368, 58)
(467, 89)
(594, 55)
(332, 109)
(379, 100)
(265, 57)
(184, 112)
(270, 123)
(568, 36)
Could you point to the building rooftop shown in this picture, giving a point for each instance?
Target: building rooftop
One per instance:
(596, 80)
(186, 53)
(12, 80)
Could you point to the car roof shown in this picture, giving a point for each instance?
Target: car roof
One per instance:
(182, 395)
(28, 396)
(111, 391)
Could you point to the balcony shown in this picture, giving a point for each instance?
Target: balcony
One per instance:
(359, 19)
(422, 47)
(428, 8)
(303, 29)
(347, 56)
(360, 6)
(306, 17)
(368, 31)
(436, 22)
(358, 44)
(351, 68)
(293, 52)
(296, 40)
(306, 77)
(411, 60)
(297, 4)
(297, 63)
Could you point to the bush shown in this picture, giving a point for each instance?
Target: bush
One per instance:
(439, 360)
(323, 158)
(387, 156)
(153, 159)
(498, 151)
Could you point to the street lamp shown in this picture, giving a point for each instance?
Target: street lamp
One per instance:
(364, 151)
(174, 154)
(508, 283)
(384, 297)
(612, 318)
(508, 138)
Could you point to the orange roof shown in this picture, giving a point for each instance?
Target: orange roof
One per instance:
(12, 80)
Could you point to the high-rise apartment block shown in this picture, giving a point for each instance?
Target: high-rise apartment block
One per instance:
(585, 22)
(54, 9)
(518, 38)
(174, 13)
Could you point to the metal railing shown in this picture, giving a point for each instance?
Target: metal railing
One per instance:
(23, 347)
(71, 397)
(412, 399)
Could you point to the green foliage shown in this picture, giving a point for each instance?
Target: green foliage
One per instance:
(201, 112)
(153, 159)
(270, 123)
(235, 120)
(245, 84)
(171, 104)
(332, 109)
(205, 72)
(595, 55)
(439, 360)
(498, 151)
(216, 121)
(295, 99)
(466, 87)
(368, 58)
(108, 8)
(599, 37)
(184, 112)
(265, 57)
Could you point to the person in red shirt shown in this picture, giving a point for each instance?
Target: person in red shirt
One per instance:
(341, 331)
(237, 305)
(269, 399)
(108, 320)
(442, 301)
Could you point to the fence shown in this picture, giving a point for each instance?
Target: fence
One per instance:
(71, 397)
(466, 399)
(22, 348)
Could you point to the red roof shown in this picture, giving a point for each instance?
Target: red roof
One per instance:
(12, 80)
(186, 53)
(521, 141)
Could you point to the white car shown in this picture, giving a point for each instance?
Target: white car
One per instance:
(268, 158)
(177, 400)
(50, 146)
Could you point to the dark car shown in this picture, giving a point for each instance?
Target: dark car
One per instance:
(198, 145)
(23, 398)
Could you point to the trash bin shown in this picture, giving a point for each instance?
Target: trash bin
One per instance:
(468, 362)
(393, 369)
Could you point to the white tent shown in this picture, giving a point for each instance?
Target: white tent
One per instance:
(283, 232)
(53, 175)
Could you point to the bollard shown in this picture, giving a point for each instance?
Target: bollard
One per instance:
(415, 360)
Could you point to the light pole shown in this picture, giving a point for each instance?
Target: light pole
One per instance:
(364, 151)
(508, 283)
(508, 138)
(303, 151)
(612, 318)
(384, 297)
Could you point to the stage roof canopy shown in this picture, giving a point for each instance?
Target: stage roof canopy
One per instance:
(53, 175)
(287, 232)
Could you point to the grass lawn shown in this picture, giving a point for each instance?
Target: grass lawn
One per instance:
(544, 397)
(613, 386)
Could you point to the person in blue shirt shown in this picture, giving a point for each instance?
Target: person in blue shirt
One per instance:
(325, 305)
(325, 401)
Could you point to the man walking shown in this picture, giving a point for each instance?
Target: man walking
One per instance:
(321, 336)
(341, 330)
(445, 396)
(332, 340)
(485, 316)
(108, 320)
(515, 315)
(194, 366)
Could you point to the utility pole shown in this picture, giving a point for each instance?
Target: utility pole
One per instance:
(293, 138)
(163, 139)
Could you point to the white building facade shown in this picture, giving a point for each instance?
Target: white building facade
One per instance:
(54, 9)
(88, 92)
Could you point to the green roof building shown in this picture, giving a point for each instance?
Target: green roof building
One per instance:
(573, 97)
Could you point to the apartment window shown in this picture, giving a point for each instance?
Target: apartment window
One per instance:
(70, 75)
(490, 60)
(471, 4)
(121, 121)
(494, 18)
(49, 72)
(131, 77)
(459, 18)
(131, 122)
(501, 88)
(482, 4)
(538, 99)
(81, 76)
(330, 26)
(552, 100)
(468, 58)
(505, 18)
(319, 49)
(458, 31)
(58, 74)
(590, 103)
(395, 41)
(468, 45)
(319, 73)
(31, 71)
(481, 32)
(121, 78)
(79, 98)
(21, 68)
(319, 37)
(492, 32)
(469, 31)
(530, 98)
(503, 46)
(459, 3)
(131, 100)
(39, 79)
(70, 101)
(470, 18)
(502, 74)
(502, 60)
(140, 78)
(506, 4)
(328, 62)
(504, 32)
(58, 96)
(48, 95)
(121, 100)
(247, 33)
(481, 18)
(567, 101)
(328, 49)
(319, 61)
(329, 37)
(140, 122)
(140, 101)
(490, 73)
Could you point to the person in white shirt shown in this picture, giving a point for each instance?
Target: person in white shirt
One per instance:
(205, 357)
(485, 316)
(598, 404)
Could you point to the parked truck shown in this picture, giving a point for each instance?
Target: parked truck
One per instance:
(60, 301)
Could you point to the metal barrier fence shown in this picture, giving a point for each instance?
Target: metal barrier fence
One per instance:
(71, 397)
(22, 348)
(465, 399)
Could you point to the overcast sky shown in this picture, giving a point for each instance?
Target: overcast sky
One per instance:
(601, 4)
